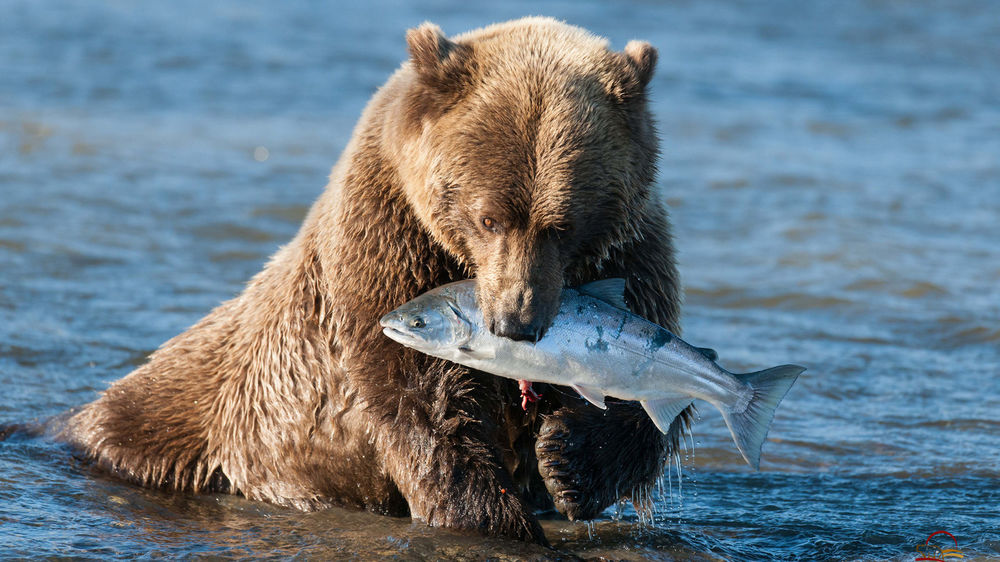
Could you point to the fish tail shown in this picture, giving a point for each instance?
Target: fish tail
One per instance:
(749, 427)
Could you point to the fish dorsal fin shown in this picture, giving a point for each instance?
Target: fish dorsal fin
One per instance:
(663, 410)
(593, 395)
(611, 291)
(709, 353)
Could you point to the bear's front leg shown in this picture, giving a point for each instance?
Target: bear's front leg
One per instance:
(590, 458)
(439, 447)
(445, 487)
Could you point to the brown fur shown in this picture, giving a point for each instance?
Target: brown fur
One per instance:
(290, 393)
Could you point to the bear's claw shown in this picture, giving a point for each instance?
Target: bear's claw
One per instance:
(559, 464)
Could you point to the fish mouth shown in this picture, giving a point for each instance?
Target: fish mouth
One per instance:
(389, 324)
(387, 319)
(398, 335)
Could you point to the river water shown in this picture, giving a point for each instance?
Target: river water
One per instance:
(833, 171)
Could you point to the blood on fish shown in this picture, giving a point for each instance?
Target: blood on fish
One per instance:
(528, 394)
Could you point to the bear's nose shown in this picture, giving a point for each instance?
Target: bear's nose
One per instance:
(514, 329)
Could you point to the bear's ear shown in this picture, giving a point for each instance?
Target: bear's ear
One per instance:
(639, 61)
(642, 57)
(440, 62)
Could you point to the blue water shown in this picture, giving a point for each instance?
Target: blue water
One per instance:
(833, 174)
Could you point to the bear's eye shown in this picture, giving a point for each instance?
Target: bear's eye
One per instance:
(489, 223)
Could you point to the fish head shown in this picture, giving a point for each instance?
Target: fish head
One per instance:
(433, 323)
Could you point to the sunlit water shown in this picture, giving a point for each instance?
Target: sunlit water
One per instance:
(833, 170)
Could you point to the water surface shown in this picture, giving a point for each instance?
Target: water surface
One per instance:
(833, 173)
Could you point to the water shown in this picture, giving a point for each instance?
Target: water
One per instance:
(833, 170)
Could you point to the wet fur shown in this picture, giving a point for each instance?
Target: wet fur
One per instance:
(289, 393)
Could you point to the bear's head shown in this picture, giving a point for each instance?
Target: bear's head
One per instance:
(527, 152)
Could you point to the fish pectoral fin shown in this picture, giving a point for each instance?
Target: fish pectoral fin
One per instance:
(611, 291)
(593, 395)
(483, 354)
(663, 410)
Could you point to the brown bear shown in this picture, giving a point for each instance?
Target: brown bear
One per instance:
(522, 154)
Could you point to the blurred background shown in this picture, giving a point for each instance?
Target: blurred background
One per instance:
(833, 174)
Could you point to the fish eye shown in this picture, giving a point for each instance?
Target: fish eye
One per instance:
(417, 322)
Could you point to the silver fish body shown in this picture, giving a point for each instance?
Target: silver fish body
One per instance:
(600, 349)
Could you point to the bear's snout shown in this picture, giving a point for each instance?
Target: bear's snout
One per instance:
(519, 289)
(523, 314)
(514, 329)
